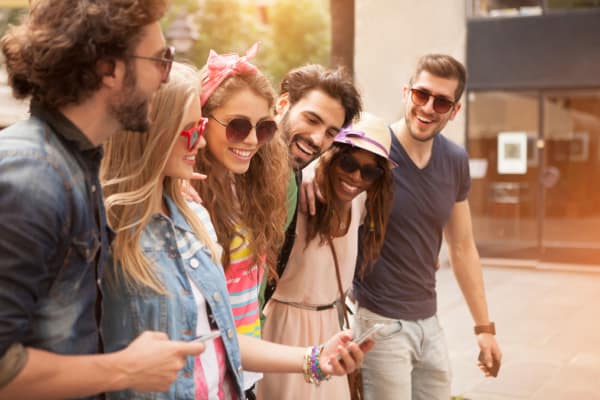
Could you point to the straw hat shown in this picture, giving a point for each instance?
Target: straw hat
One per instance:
(370, 133)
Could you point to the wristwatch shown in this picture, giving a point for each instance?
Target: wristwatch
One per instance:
(489, 328)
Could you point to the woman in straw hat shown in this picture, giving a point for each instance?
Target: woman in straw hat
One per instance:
(355, 180)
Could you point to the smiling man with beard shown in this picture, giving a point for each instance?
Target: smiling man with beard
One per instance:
(314, 104)
(90, 69)
(431, 185)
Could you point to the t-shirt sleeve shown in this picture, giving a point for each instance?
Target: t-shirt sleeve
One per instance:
(464, 178)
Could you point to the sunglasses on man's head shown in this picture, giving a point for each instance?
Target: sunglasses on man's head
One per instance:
(165, 61)
(441, 104)
(370, 173)
(194, 134)
(239, 128)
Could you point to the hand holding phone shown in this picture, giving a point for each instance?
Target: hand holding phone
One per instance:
(493, 371)
(207, 336)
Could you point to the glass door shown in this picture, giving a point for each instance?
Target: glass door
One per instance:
(570, 178)
(505, 162)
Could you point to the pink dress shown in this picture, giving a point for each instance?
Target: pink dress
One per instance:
(310, 279)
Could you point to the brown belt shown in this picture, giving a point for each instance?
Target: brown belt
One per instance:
(312, 307)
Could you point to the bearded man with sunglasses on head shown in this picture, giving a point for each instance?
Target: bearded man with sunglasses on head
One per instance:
(90, 69)
(431, 184)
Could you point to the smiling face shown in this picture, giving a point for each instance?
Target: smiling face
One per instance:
(310, 124)
(348, 185)
(236, 156)
(423, 122)
(181, 161)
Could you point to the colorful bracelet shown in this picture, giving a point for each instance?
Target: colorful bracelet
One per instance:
(312, 369)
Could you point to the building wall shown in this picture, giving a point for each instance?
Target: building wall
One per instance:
(391, 35)
(11, 110)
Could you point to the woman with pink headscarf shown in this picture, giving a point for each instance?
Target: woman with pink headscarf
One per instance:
(170, 280)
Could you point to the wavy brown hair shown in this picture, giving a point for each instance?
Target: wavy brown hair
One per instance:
(52, 56)
(255, 200)
(378, 205)
(336, 83)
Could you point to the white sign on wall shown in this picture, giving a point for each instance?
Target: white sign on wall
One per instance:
(512, 153)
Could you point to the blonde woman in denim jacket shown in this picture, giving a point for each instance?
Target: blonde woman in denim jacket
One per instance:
(166, 275)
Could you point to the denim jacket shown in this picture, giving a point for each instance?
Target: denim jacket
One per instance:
(53, 238)
(172, 247)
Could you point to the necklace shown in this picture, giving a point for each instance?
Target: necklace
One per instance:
(342, 223)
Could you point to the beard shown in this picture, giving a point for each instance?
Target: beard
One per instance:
(296, 161)
(130, 107)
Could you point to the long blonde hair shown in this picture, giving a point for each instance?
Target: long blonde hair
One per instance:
(255, 200)
(132, 167)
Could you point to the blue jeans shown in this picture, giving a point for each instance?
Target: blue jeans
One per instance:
(412, 364)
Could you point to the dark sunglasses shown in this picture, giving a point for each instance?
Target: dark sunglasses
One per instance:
(239, 128)
(441, 104)
(194, 134)
(165, 61)
(369, 173)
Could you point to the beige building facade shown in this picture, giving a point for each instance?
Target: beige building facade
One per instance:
(391, 36)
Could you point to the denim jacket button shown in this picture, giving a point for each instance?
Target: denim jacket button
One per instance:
(194, 263)
(217, 296)
(187, 332)
(187, 375)
(229, 333)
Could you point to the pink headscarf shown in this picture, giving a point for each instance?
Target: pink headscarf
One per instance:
(222, 66)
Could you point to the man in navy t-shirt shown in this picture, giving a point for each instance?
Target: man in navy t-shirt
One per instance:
(431, 184)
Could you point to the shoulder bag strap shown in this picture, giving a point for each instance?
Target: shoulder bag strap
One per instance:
(339, 280)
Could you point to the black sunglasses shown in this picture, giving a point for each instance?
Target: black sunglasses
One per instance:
(165, 62)
(369, 173)
(441, 104)
(239, 128)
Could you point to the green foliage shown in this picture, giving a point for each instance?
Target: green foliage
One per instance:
(291, 32)
(300, 35)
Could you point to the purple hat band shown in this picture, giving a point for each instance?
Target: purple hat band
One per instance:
(345, 136)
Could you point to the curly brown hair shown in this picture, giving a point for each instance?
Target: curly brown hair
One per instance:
(336, 83)
(378, 205)
(52, 56)
(255, 200)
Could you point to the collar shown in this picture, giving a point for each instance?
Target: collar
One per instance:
(62, 126)
(178, 219)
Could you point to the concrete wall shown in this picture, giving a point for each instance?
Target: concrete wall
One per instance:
(391, 35)
(11, 110)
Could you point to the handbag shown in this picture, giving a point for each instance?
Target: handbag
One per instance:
(355, 377)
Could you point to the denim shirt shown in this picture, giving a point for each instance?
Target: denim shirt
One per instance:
(54, 238)
(172, 247)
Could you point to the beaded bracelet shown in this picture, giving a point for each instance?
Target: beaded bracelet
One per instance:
(312, 369)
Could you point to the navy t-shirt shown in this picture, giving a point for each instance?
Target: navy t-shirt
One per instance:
(401, 284)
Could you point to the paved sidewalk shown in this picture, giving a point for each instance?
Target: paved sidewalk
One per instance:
(548, 326)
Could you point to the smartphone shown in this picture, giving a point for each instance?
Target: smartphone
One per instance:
(495, 364)
(380, 331)
(377, 331)
(368, 333)
(207, 336)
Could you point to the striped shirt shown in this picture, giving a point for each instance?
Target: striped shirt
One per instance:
(211, 377)
(244, 275)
